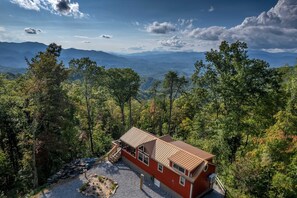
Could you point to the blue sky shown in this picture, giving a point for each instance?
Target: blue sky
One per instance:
(128, 26)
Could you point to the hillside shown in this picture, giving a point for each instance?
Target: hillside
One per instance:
(148, 64)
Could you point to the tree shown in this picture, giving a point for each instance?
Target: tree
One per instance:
(173, 85)
(90, 75)
(239, 91)
(123, 84)
(49, 109)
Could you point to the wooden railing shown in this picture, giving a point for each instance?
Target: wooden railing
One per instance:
(222, 187)
(115, 152)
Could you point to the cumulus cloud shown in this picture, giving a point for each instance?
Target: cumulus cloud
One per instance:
(160, 28)
(274, 29)
(173, 43)
(211, 9)
(32, 31)
(210, 33)
(59, 7)
(2, 29)
(106, 36)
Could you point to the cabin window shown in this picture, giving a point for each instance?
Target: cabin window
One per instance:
(205, 168)
(146, 160)
(160, 168)
(141, 148)
(140, 156)
(143, 158)
(178, 168)
(182, 181)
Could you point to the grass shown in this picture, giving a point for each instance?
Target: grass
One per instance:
(113, 186)
(84, 187)
(101, 179)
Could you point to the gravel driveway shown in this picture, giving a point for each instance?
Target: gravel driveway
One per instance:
(127, 179)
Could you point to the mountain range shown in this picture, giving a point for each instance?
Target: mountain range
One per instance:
(148, 64)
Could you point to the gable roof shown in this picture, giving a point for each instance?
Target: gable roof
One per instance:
(135, 137)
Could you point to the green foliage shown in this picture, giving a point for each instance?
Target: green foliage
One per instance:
(123, 84)
(234, 107)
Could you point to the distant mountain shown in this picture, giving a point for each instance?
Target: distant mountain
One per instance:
(149, 64)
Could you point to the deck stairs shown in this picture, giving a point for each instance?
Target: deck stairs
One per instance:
(219, 187)
(115, 153)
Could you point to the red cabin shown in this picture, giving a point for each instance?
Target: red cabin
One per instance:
(175, 166)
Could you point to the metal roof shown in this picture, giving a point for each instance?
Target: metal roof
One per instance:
(163, 152)
(186, 160)
(134, 137)
(191, 149)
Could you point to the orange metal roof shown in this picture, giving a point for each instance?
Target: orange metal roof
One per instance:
(186, 160)
(163, 152)
(191, 149)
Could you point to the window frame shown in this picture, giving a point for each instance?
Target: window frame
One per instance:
(139, 153)
(181, 178)
(177, 167)
(205, 168)
(160, 165)
(148, 160)
(143, 157)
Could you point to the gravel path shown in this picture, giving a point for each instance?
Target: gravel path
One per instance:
(127, 179)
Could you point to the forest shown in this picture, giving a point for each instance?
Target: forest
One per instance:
(237, 108)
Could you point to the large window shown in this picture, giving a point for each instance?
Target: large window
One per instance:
(178, 168)
(142, 156)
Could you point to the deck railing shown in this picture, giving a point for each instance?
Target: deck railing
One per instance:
(222, 187)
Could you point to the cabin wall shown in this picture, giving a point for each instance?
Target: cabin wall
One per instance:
(168, 178)
(202, 184)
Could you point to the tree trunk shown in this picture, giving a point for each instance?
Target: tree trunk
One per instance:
(170, 107)
(122, 106)
(35, 174)
(130, 113)
(90, 125)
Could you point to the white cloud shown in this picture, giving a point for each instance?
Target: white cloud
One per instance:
(211, 9)
(59, 7)
(27, 4)
(211, 33)
(136, 48)
(173, 43)
(160, 28)
(32, 31)
(81, 37)
(2, 29)
(106, 36)
(274, 29)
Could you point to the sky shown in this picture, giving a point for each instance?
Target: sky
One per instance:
(131, 26)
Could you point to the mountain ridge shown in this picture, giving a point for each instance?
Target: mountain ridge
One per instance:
(150, 63)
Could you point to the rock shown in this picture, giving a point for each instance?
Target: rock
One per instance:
(72, 169)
